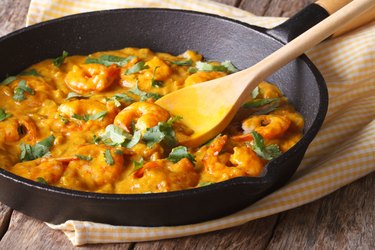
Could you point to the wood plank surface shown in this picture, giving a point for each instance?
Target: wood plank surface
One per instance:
(342, 220)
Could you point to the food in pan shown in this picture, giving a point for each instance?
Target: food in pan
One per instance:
(90, 123)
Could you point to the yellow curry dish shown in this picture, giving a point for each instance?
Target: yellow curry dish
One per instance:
(90, 123)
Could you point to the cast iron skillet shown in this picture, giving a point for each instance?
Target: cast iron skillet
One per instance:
(172, 31)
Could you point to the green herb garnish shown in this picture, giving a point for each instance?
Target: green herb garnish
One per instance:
(8, 80)
(116, 136)
(19, 91)
(161, 133)
(155, 83)
(266, 152)
(41, 180)
(98, 116)
(84, 157)
(119, 152)
(60, 60)
(64, 119)
(225, 66)
(229, 66)
(135, 139)
(117, 98)
(40, 149)
(96, 139)
(108, 60)
(31, 72)
(273, 106)
(188, 62)
(255, 92)
(179, 153)
(137, 165)
(4, 115)
(259, 102)
(108, 157)
(144, 95)
(72, 95)
(136, 68)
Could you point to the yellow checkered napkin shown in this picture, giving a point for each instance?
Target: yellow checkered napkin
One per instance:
(343, 151)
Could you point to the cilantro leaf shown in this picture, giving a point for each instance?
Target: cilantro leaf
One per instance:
(72, 95)
(96, 139)
(108, 157)
(144, 95)
(8, 80)
(225, 66)
(188, 62)
(60, 60)
(161, 133)
(41, 180)
(229, 66)
(179, 153)
(84, 157)
(3, 115)
(117, 98)
(255, 92)
(259, 102)
(137, 165)
(266, 152)
(273, 106)
(98, 116)
(116, 136)
(19, 91)
(192, 70)
(119, 152)
(40, 149)
(204, 66)
(155, 83)
(135, 139)
(136, 68)
(31, 72)
(108, 60)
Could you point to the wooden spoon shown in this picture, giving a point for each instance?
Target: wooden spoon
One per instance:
(207, 108)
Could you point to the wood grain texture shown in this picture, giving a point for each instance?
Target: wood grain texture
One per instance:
(5, 215)
(253, 235)
(342, 220)
(34, 234)
(12, 15)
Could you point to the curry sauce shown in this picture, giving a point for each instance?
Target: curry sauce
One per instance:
(90, 123)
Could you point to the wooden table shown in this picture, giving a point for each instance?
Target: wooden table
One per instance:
(342, 220)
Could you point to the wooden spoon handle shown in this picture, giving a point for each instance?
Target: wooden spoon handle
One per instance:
(304, 42)
(331, 6)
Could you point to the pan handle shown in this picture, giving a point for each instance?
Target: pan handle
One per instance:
(313, 14)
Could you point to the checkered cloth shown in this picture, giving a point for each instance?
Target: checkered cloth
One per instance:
(343, 151)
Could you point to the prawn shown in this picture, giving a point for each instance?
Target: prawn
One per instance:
(13, 129)
(222, 166)
(88, 78)
(103, 165)
(143, 114)
(161, 176)
(268, 126)
(50, 170)
(79, 109)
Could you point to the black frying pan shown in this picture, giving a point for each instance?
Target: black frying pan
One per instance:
(172, 31)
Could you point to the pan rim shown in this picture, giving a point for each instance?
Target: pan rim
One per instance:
(302, 144)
